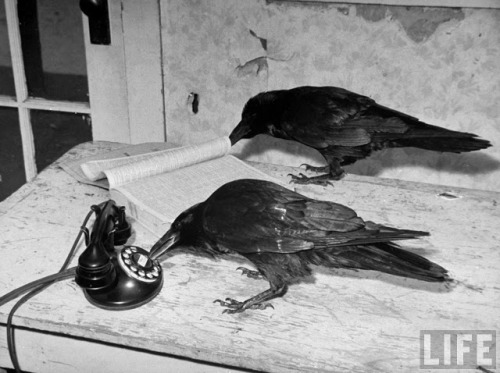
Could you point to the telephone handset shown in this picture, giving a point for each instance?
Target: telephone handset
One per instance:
(116, 278)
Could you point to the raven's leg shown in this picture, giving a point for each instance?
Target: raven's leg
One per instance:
(256, 302)
(316, 169)
(334, 172)
(250, 273)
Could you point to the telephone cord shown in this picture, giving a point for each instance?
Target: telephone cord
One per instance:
(36, 287)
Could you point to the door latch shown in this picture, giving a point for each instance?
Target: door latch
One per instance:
(98, 14)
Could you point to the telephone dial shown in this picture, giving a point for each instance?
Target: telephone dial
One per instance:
(113, 276)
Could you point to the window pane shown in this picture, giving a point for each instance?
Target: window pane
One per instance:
(6, 76)
(53, 49)
(56, 133)
(12, 174)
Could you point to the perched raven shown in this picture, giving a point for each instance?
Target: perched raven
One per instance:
(343, 126)
(282, 233)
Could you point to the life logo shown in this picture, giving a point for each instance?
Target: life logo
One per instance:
(458, 349)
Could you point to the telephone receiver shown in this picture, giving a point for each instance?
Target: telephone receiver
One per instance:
(116, 278)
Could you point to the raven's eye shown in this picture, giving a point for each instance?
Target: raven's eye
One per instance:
(188, 219)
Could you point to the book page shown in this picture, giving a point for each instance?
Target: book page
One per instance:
(168, 160)
(122, 152)
(93, 169)
(163, 197)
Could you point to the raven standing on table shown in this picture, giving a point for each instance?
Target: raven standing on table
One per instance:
(282, 233)
(343, 126)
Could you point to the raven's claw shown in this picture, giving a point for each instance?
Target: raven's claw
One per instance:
(234, 306)
(250, 273)
(323, 180)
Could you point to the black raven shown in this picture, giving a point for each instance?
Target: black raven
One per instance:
(282, 233)
(343, 126)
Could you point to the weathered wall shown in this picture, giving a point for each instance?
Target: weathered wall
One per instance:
(441, 65)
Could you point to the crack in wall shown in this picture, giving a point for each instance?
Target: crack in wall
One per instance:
(263, 41)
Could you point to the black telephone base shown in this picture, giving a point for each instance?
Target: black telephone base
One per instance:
(137, 282)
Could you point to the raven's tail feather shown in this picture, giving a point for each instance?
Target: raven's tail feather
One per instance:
(450, 143)
(385, 257)
(426, 136)
(412, 265)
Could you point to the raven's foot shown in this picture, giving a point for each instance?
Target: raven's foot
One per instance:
(250, 273)
(234, 306)
(324, 180)
(316, 169)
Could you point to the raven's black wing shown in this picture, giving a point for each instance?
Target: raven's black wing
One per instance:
(332, 116)
(249, 216)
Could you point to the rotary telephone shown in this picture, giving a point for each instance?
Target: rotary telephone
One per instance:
(113, 276)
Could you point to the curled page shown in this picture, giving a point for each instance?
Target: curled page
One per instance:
(168, 160)
(93, 169)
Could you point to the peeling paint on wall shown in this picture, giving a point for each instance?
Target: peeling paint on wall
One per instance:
(371, 13)
(419, 23)
(254, 67)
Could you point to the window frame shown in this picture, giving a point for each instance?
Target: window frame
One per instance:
(22, 101)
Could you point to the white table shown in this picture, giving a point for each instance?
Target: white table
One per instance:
(338, 320)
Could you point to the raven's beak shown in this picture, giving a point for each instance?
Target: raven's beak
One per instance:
(243, 129)
(165, 243)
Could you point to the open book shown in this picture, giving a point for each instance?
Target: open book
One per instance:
(155, 187)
